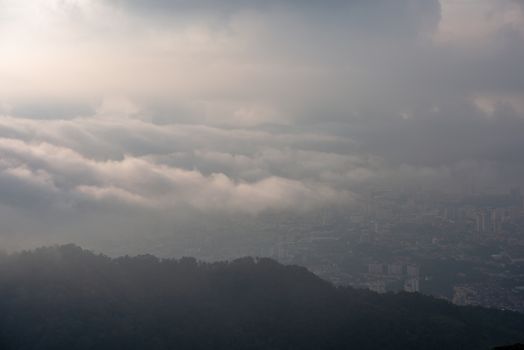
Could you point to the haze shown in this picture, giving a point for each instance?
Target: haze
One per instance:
(132, 118)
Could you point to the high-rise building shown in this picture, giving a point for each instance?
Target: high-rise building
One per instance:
(376, 269)
(412, 271)
(412, 285)
(394, 269)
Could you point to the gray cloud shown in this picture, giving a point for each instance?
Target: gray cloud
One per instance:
(144, 171)
(248, 106)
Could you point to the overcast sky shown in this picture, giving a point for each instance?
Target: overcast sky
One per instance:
(119, 109)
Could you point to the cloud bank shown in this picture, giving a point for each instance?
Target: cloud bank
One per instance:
(142, 109)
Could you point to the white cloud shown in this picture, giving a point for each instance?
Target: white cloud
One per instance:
(148, 179)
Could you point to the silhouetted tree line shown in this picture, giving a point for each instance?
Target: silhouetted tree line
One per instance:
(510, 347)
(68, 298)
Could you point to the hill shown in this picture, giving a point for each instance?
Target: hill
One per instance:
(68, 298)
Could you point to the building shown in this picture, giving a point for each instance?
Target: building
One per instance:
(412, 285)
(377, 286)
(413, 271)
(395, 269)
(376, 269)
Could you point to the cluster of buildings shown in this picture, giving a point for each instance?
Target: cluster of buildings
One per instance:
(406, 242)
(381, 276)
(466, 248)
(490, 295)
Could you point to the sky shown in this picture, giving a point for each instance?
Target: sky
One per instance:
(120, 116)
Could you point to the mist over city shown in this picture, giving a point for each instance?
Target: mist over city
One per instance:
(378, 144)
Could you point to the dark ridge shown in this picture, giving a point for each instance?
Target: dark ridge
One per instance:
(510, 347)
(69, 298)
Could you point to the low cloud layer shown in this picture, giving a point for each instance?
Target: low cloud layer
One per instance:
(161, 167)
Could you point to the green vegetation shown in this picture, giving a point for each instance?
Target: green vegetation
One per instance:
(69, 298)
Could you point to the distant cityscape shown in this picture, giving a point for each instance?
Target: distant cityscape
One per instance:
(468, 249)
(465, 248)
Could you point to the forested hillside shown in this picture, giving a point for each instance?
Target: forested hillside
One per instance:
(69, 298)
